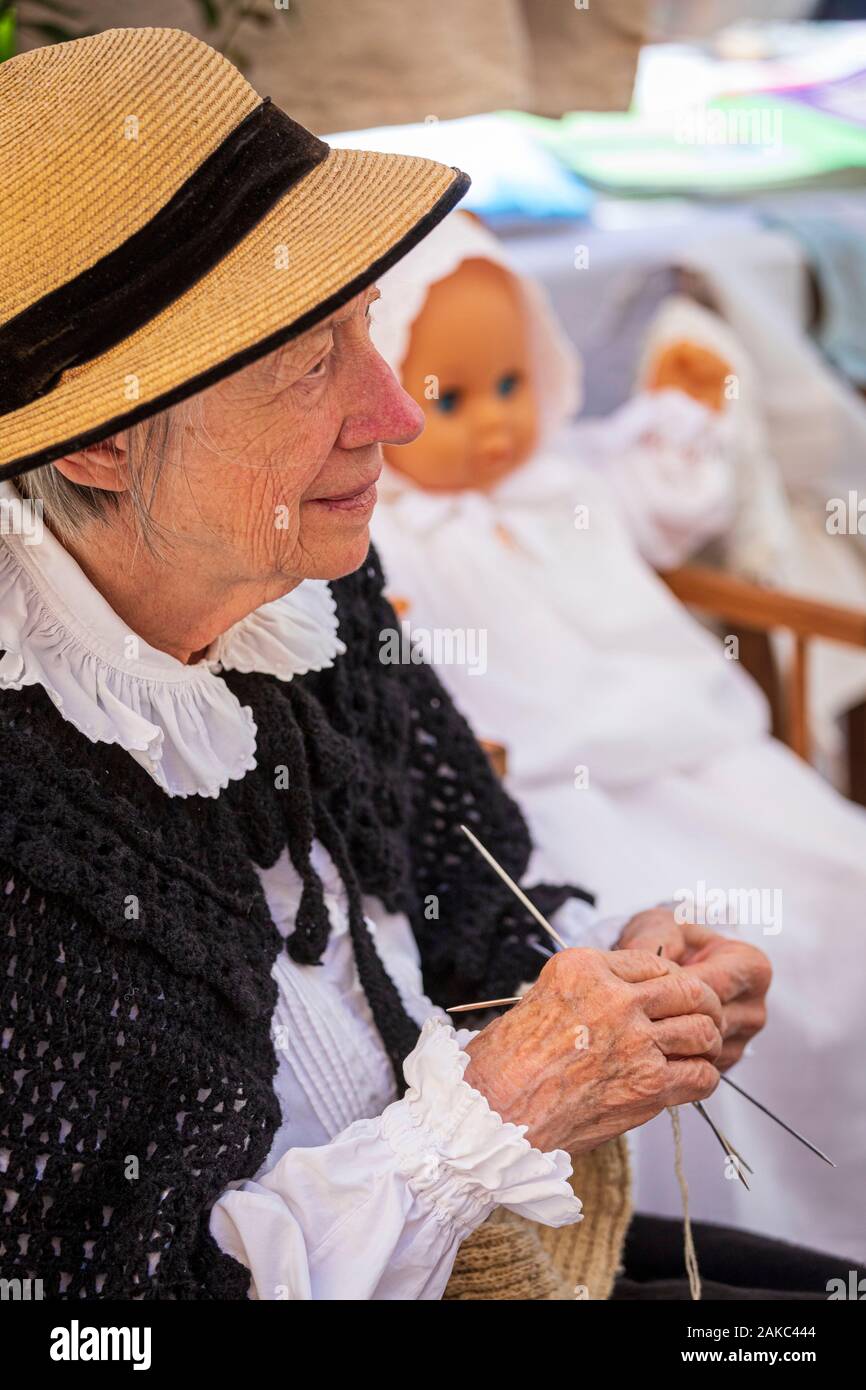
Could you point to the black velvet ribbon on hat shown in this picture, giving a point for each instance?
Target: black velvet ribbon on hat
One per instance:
(225, 197)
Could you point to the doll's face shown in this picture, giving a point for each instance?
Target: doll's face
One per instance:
(468, 368)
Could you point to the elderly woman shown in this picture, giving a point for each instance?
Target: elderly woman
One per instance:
(236, 895)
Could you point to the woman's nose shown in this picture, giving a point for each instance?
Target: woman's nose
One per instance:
(403, 417)
(380, 411)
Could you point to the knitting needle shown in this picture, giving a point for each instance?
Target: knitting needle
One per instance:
(482, 1004)
(723, 1140)
(517, 891)
(737, 1155)
(724, 1143)
(543, 922)
(746, 1096)
(813, 1147)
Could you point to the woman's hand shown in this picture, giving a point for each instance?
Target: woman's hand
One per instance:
(655, 927)
(602, 1042)
(739, 973)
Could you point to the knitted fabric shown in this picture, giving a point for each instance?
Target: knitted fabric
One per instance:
(136, 1064)
(512, 1258)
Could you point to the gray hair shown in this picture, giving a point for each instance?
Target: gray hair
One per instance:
(70, 508)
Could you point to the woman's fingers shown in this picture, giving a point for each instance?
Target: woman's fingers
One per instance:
(647, 931)
(635, 966)
(679, 993)
(734, 969)
(697, 939)
(691, 1035)
(693, 1078)
(730, 1053)
(744, 1018)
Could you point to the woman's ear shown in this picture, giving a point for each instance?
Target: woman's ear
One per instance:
(100, 465)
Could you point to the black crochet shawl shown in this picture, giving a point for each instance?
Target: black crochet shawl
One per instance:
(137, 1062)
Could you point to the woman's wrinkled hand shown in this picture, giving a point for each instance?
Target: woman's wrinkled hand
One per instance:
(601, 1043)
(739, 973)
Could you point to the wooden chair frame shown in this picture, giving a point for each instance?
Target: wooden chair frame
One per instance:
(759, 610)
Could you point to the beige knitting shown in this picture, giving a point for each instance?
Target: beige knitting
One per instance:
(512, 1258)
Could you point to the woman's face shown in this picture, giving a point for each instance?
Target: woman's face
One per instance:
(468, 368)
(278, 477)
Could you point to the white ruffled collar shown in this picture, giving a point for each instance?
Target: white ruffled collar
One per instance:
(181, 723)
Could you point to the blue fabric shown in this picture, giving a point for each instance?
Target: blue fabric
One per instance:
(513, 175)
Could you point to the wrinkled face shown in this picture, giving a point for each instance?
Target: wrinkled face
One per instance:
(300, 434)
(468, 368)
(278, 477)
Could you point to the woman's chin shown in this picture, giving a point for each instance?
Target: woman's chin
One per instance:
(336, 555)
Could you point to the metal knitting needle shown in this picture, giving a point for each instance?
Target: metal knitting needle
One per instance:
(543, 922)
(726, 1144)
(736, 1153)
(517, 891)
(769, 1113)
(728, 1150)
(813, 1147)
(482, 1004)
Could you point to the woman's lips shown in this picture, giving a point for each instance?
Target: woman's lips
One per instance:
(363, 498)
(356, 502)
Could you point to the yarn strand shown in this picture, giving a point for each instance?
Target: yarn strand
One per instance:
(688, 1237)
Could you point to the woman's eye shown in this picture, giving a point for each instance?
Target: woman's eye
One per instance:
(448, 401)
(506, 385)
(319, 369)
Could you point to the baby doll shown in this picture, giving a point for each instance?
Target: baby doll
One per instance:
(638, 750)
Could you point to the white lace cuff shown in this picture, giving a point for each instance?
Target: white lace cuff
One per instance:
(460, 1156)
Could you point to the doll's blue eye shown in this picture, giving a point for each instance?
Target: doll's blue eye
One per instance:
(448, 401)
(506, 385)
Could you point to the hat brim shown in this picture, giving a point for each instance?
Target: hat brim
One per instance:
(333, 234)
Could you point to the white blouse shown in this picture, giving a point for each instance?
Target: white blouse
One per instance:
(362, 1196)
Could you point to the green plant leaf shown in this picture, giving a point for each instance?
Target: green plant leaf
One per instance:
(7, 34)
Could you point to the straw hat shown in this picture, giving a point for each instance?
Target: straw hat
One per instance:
(164, 226)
